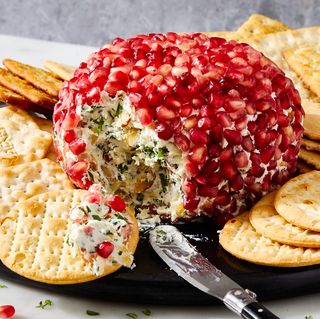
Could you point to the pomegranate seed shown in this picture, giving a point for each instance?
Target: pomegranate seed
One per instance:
(145, 116)
(189, 188)
(233, 137)
(241, 160)
(116, 203)
(71, 121)
(207, 191)
(198, 154)
(190, 122)
(77, 146)
(228, 170)
(190, 203)
(173, 102)
(112, 87)
(204, 123)
(93, 198)
(164, 114)
(69, 136)
(198, 137)
(182, 142)
(191, 168)
(164, 131)
(105, 249)
(215, 179)
(7, 311)
(222, 198)
(93, 95)
(226, 154)
(185, 110)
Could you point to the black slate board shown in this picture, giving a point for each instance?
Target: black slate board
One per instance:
(152, 282)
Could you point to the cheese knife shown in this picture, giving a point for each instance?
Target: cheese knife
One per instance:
(177, 252)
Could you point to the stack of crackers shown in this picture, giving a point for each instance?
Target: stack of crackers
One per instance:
(32, 88)
(282, 229)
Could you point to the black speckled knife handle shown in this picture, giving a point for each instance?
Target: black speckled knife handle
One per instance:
(257, 311)
(244, 304)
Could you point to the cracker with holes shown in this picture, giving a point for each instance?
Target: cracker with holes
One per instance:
(21, 140)
(298, 201)
(46, 125)
(25, 89)
(62, 71)
(312, 119)
(239, 238)
(48, 238)
(39, 78)
(306, 63)
(267, 222)
(310, 157)
(20, 182)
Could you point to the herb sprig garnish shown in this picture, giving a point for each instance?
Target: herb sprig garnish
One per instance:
(132, 315)
(43, 304)
(3, 286)
(92, 313)
(146, 312)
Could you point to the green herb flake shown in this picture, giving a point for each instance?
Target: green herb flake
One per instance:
(164, 181)
(92, 313)
(88, 209)
(3, 286)
(162, 152)
(308, 317)
(119, 110)
(119, 216)
(96, 217)
(146, 312)
(43, 304)
(99, 124)
(122, 168)
(140, 197)
(149, 151)
(132, 315)
(90, 176)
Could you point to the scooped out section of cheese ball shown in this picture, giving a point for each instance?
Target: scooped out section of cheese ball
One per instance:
(179, 125)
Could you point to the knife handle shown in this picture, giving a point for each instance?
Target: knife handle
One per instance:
(255, 310)
(244, 304)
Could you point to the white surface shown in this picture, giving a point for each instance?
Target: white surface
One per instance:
(25, 299)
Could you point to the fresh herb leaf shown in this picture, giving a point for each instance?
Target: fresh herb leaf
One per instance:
(109, 232)
(92, 313)
(122, 168)
(164, 181)
(132, 315)
(96, 217)
(119, 110)
(43, 304)
(88, 209)
(99, 124)
(162, 152)
(3, 286)
(90, 176)
(149, 151)
(119, 216)
(308, 317)
(146, 312)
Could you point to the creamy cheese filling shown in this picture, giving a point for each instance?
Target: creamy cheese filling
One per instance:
(94, 224)
(130, 160)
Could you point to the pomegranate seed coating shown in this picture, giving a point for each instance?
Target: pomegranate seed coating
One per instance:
(233, 114)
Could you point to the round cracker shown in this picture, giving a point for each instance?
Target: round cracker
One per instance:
(298, 201)
(240, 239)
(269, 223)
(34, 240)
(266, 200)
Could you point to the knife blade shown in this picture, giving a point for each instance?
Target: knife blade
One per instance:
(177, 252)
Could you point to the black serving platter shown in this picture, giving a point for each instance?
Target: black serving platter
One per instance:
(152, 282)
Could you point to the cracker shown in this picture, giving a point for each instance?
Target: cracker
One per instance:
(272, 45)
(312, 119)
(266, 200)
(62, 71)
(34, 240)
(240, 239)
(39, 78)
(267, 222)
(46, 125)
(304, 167)
(258, 24)
(298, 201)
(20, 138)
(20, 182)
(24, 88)
(10, 97)
(310, 145)
(306, 63)
(311, 158)
(228, 35)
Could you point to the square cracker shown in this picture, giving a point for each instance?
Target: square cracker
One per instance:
(312, 158)
(62, 71)
(27, 90)
(306, 63)
(39, 78)
(312, 119)
(21, 140)
(258, 25)
(310, 145)
(18, 183)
